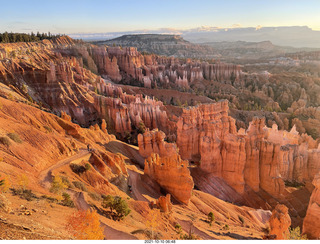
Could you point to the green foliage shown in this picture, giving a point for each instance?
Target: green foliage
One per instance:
(57, 185)
(24, 194)
(294, 184)
(225, 227)
(2, 182)
(118, 204)
(87, 166)
(24, 37)
(80, 185)
(241, 219)
(48, 129)
(141, 128)
(211, 217)
(295, 234)
(5, 141)
(66, 181)
(77, 168)
(178, 228)
(66, 200)
(189, 236)
(15, 137)
(94, 196)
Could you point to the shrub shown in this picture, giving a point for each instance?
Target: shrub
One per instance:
(189, 236)
(57, 185)
(295, 234)
(66, 200)
(48, 129)
(24, 194)
(241, 219)
(15, 137)
(85, 225)
(87, 166)
(5, 141)
(94, 196)
(211, 217)
(66, 181)
(5, 184)
(153, 220)
(178, 228)
(78, 169)
(226, 227)
(117, 204)
(23, 181)
(80, 185)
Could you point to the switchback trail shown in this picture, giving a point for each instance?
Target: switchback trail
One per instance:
(45, 175)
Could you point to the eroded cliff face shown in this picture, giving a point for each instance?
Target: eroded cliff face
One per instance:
(311, 223)
(153, 142)
(280, 222)
(61, 75)
(172, 174)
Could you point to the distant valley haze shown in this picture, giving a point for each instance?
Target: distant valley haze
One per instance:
(286, 23)
(294, 36)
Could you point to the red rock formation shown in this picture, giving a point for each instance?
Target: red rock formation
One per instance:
(311, 223)
(153, 142)
(280, 222)
(172, 174)
(164, 203)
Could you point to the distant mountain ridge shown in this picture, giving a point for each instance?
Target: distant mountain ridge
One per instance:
(295, 36)
(167, 45)
(177, 46)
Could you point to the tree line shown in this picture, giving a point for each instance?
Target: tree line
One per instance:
(7, 37)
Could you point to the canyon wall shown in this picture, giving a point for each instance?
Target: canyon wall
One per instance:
(311, 223)
(172, 174)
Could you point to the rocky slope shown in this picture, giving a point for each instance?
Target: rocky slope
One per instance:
(311, 221)
(51, 144)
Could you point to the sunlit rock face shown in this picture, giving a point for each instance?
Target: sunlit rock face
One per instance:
(172, 174)
(311, 223)
(280, 222)
(153, 142)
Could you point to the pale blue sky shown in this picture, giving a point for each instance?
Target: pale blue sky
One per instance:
(97, 16)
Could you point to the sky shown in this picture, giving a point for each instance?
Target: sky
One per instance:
(101, 16)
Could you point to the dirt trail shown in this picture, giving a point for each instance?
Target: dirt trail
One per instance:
(46, 175)
(136, 186)
(188, 225)
(109, 232)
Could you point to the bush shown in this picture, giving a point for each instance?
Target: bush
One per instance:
(57, 185)
(295, 234)
(66, 200)
(94, 196)
(78, 169)
(87, 166)
(80, 185)
(24, 194)
(117, 204)
(241, 219)
(226, 227)
(23, 181)
(211, 217)
(15, 137)
(66, 181)
(5, 141)
(48, 129)
(178, 228)
(5, 184)
(85, 225)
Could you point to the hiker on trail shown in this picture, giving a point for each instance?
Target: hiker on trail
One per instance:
(88, 147)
